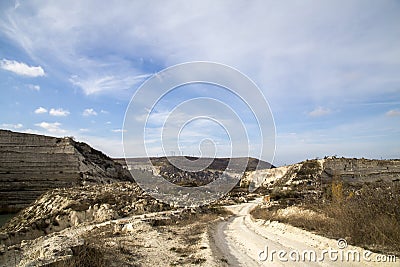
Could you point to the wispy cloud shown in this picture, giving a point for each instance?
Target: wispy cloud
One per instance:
(320, 111)
(40, 110)
(59, 112)
(393, 113)
(106, 84)
(21, 68)
(118, 131)
(89, 112)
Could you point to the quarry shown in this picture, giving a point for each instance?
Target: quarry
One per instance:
(32, 164)
(75, 206)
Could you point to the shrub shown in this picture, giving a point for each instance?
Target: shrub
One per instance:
(369, 218)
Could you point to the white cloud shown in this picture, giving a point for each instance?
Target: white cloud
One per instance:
(21, 68)
(12, 126)
(118, 131)
(104, 111)
(59, 112)
(89, 112)
(111, 145)
(34, 87)
(40, 110)
(84, 130)
(320, 111)
(393, 113)
(51, 127)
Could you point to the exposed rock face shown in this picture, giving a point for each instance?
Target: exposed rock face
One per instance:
(58, 209)
(353, 171)
(32, 164)
(362, 170)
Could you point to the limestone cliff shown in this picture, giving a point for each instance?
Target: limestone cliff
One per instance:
(313, 172)
(31, 164)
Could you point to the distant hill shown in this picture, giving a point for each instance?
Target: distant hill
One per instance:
(219, 164)
(31, 164)
(180, 170)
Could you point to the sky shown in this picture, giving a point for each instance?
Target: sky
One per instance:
(330, 70)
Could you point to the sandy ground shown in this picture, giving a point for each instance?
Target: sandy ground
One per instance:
(129, 241)
(241, 239)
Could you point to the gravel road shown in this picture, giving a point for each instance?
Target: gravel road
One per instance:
(244, 241)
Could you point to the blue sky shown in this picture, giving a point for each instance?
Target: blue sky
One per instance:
(329, 69)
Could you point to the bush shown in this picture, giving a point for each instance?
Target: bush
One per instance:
(86, 255)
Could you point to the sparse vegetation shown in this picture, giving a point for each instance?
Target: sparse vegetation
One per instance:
(183, 231)
(368, 217)
(87, 255)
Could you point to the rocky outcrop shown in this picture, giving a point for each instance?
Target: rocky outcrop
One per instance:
(313, 172)
(31, 164)
(59, 209)
(361, 170)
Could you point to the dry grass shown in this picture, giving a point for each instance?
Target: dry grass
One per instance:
(87, 255)
(370, 218)
(306, 220)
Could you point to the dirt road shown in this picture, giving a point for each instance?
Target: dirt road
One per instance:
(247, 242)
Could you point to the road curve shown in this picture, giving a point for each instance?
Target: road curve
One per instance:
(241, 239)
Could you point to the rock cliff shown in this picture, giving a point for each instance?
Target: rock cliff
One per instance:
(61, 208)
(312, 172)
(31, 164)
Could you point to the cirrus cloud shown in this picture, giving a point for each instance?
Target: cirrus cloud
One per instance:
(106, 84)
(320, 111)
(118, 131)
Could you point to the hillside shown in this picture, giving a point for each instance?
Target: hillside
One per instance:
(355, 199)
(31, 164)
(219, 164)
(312, 173)
(209, 169)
